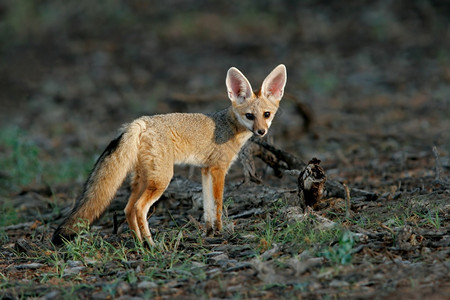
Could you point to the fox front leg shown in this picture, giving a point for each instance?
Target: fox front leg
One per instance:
(208, 201)
(218, 181)
(213, 179)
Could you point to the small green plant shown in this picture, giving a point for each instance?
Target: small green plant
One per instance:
(110, 289)
(58, 263)
(342, 254)
(432, 218)
(297, 235)
(89, 247)
(131, 277)
(227, 204)
(398, 221)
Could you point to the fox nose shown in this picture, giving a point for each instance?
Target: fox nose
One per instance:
(261, 132)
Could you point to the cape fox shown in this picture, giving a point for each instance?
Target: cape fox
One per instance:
(149, 147)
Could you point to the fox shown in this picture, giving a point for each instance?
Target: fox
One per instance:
(150, 146)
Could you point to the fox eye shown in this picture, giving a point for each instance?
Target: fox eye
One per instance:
(249, 116)
(266, 114)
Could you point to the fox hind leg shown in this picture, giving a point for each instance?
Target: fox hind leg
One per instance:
(137, 189)
(151, 194)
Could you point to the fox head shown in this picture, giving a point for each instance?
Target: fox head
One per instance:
(255, 110)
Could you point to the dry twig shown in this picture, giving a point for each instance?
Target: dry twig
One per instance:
(347, 200)
(438, 169)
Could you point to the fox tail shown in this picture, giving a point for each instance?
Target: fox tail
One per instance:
(110, 170)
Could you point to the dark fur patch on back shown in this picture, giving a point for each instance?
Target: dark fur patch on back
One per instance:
(112, 146)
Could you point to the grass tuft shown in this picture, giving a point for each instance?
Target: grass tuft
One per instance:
(342, 252)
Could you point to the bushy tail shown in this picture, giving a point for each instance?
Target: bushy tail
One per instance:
(109, 172)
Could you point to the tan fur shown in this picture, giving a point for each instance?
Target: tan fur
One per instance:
(151, 146)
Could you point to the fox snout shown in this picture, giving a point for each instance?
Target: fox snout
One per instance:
(261, 123)
(261, 132)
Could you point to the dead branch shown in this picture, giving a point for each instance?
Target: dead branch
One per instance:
(281, 161)
(248, 164)
(336, 189)
(438, 169)
(437, 162)
(347, 201)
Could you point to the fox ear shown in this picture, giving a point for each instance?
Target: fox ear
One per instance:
(273, 86)
(239, 89)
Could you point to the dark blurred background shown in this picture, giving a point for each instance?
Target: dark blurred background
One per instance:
(71, 72)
